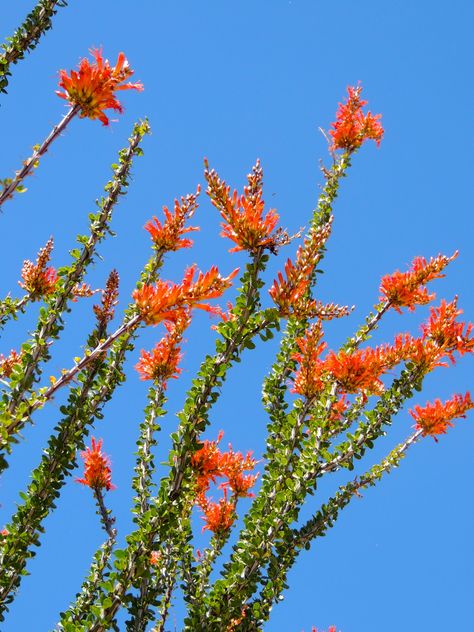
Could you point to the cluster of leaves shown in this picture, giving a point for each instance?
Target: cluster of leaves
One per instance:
(323, 412)
(27, 36)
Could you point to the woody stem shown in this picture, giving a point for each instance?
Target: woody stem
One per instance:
(30, 163)
(87, 359)
(105, 515)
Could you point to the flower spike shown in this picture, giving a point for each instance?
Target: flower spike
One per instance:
(244, 222)
(167, 235)
(162, 363)
(406, 289)
(38, 279)
(434, 419)
(352, 127)
(448, 334)
(290, 294)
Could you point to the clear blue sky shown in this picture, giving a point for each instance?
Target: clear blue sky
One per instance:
(234, 81)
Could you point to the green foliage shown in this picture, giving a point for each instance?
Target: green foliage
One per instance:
(307, 437)
(27, 37)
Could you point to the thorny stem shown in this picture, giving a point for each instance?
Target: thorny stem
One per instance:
(39, 350)
(66, 377)
(245, 575)
(160, 626)
(345, 456)
(89, 591)
(222, 359)
(371, 323)
(30, 514)
(282, 368)
(181, 460)
(357, 483)
(51, 466)
(299, 539)
(291, 457)
(31, 162)
(296, 431)
(105, 515)
(144, 469)
(91, 585)
(203, 571)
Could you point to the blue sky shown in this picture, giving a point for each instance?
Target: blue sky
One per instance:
(233, 82)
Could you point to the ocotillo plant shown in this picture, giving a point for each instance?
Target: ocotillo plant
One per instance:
(326, 408)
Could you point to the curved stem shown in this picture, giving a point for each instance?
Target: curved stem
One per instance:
(32, 161)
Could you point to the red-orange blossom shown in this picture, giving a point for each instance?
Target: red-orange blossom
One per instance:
(93, 86)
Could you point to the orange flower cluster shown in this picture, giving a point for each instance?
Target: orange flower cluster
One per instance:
(290, 293)
(166, 236)
(226, 314)
(209, 464)
(352, 127)
(92, 88)
(38, 279)
(166, 301)
(206, 463)
(434, 419)
(358, 371)
(97, 472)
(442, 337)
(244, 221)
(155, 558)
(7, 364)
(329, 311)
(220, 516)
(448, 334)
(233, 465)
(406, 289)
(162, 363)
(332, 628)
(338, 409)
(425, 354)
